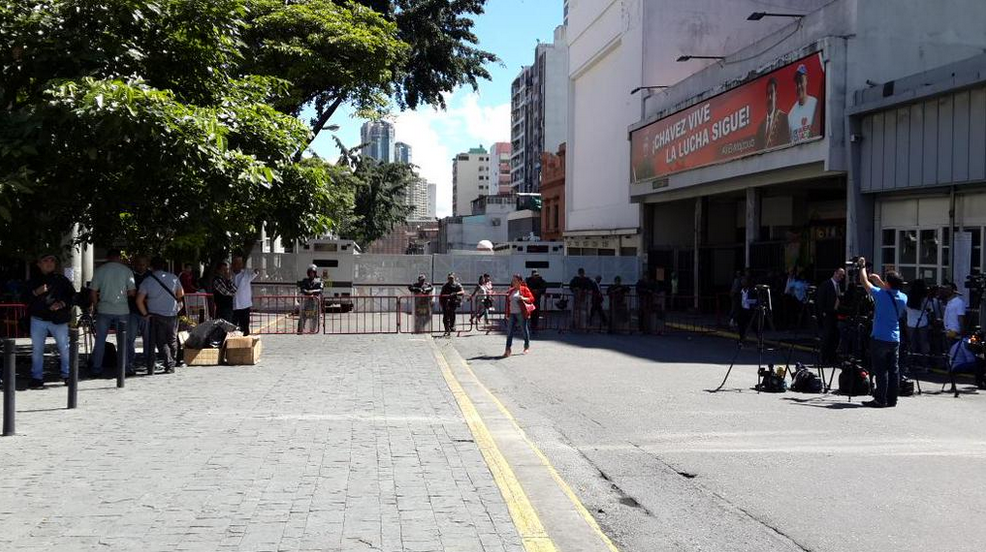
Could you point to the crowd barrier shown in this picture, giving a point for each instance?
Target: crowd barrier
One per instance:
(10, 317)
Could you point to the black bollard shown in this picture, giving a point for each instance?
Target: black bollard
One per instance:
(73, 367)
(121, 354)
(9, 385)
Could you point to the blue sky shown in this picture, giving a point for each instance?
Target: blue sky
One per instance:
(510, 29)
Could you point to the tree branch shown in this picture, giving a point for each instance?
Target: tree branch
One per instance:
(320, 123)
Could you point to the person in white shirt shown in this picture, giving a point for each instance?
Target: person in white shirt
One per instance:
(954, 313)
(801, 116)
(243, 299)
(919, 313)
(748, 302)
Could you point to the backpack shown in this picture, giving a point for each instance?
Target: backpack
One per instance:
(771, 381)
(854, 381)
(805, 381)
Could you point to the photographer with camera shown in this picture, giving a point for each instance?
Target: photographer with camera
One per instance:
(889, 306)
(827, 300)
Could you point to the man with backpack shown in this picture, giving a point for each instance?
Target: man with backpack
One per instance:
(889, 306)
(158, 301)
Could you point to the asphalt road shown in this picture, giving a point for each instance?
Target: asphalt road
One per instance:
(665, 465)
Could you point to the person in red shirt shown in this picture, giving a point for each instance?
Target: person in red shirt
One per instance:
(187, 279)
(520, 303)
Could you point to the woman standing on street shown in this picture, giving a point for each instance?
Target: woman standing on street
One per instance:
(520, 304)
(485, 291)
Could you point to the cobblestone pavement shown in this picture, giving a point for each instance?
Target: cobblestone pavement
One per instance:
(332, 443)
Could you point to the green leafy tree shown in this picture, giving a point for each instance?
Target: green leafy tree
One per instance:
(366, 52)
(173, 123)
(380, 192)
(131, 119)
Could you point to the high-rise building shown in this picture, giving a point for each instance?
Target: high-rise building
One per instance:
(470, 179)
(402, 153)
(432, 211)
(416, 196)
(500, 168)
(539, 111)
(378, 140)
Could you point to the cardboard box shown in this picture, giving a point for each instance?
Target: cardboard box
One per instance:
(243, 350)
(203, 357)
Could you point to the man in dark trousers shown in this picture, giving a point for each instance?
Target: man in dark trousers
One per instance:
(311, 290)
(422, 291)
(581, 289)
(827, 299)
(539, 288)
(889, 306)
(49, 297)
(451, 298)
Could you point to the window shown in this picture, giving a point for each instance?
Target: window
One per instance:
(628, 251)
(919, 254)
(536, 264)
(889, 249)
(537, 249)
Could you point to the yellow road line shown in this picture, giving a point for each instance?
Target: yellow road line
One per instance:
(579, 507)
(521, 510)
(276, 320)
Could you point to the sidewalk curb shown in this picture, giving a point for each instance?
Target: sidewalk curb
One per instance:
(510, 486)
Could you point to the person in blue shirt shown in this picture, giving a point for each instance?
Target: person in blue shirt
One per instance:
(890, 305)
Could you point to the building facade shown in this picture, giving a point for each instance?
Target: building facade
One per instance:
(500, 167)
(470, 179)
(799, 149)
(539, 111)
(616, 47)
(918, 156)
(402, 153)
(378, 142)
(553, 195)
(432, 210)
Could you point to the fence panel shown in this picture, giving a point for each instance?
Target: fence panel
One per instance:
(275, 314)
(10, 316)
(425, 314)
(363, 315)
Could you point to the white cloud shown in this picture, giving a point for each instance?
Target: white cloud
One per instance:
(436, 136)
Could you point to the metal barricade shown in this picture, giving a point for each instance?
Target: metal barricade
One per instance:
(363, 315)
(275, 314)
(426, 314)
(199, 307)
(10, 317)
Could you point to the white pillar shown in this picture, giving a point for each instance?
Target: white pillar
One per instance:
(73, 259)
(88, 260)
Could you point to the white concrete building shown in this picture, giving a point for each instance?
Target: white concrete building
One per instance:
(614, 48)
(432, 211)
(790, 152)
(470, 179)
(500, 168)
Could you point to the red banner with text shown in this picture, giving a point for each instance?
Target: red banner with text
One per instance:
(779, 109)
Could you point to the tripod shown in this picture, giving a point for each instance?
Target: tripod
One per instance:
(760, 316)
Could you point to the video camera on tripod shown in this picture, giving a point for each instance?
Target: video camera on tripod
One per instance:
(762, 291)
